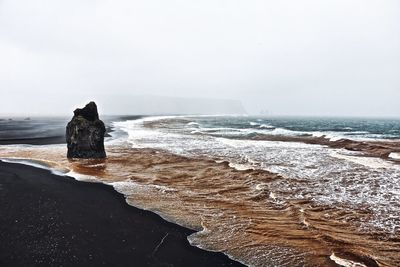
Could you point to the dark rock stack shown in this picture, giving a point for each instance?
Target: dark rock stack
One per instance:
(85, 134)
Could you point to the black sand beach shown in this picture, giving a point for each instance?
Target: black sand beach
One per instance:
(49, 220)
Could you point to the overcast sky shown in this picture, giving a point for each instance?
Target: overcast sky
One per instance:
(298, 57)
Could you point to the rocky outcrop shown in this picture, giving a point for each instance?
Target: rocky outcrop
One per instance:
(85, 134)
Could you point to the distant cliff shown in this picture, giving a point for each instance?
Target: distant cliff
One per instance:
(170, 105)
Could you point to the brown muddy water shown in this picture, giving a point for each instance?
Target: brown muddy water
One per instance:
(253, 215)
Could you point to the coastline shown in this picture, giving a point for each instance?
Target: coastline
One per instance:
(208, 201)
(149, 169)
(54, 220)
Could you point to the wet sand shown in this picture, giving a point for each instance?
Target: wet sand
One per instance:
(50, 220)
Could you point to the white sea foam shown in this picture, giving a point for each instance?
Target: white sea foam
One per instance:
(394, 155)
(128, 187)
(240, 167)
(83, 177)
(282, 131)
(344, 262)
(244, 143)
(357, 158)
(267, 126)
(356, 135)
(331, 136)
(337, 177)
(260, 186)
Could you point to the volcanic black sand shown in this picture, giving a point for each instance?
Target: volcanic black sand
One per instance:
(50, 220)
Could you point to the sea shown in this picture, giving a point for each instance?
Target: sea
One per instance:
(266, 191)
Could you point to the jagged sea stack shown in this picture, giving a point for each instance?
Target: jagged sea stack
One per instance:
(85, 134)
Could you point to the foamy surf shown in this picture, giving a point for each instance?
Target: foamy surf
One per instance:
(292, 205)
(346, 263)
(394, 155)
(289, 159)
(358, 158)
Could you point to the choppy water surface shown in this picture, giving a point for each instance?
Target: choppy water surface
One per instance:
(331, 176)
(264, 203)
(356, 128)
(362, 191)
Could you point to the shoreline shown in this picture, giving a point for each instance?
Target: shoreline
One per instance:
(49, 219)
(153, 165)
(169, 180)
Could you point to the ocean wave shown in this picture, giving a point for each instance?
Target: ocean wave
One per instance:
(358, 158)
(193, 124)
(283, 131)
(346, 263)
(264, 129)
(262, 125)
(331, 136)
(354, 135)
(267, 126)
(290, 159)
(394, 155)
(251, 132)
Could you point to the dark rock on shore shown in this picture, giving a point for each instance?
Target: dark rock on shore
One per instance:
(85, 134)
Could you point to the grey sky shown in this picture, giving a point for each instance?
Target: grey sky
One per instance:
(313, 57)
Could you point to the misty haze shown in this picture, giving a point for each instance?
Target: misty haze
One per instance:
(200, 133)
(335, 58)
